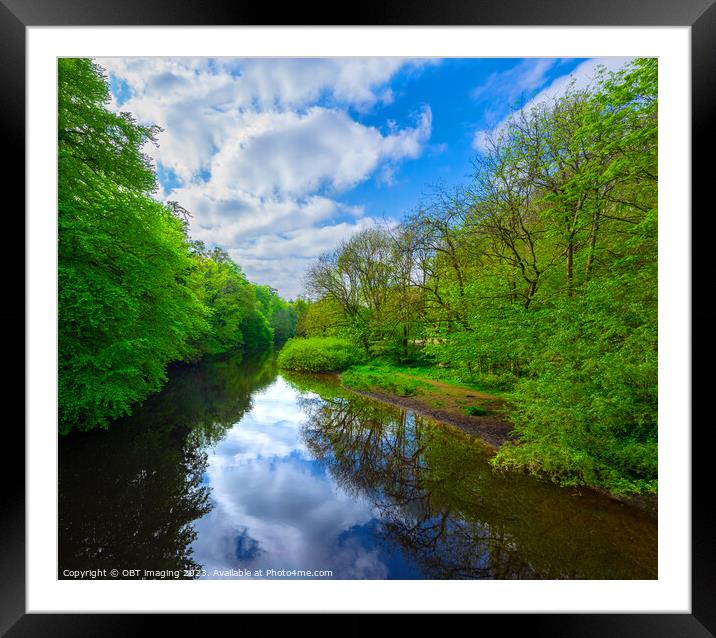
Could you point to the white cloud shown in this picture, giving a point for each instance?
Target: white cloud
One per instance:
(355, 81)
(303, 242)
(581, 76)
(522, 78)
(200, 100)
(298, 153)
(263, 148)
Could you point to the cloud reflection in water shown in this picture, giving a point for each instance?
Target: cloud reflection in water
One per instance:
(276, 507)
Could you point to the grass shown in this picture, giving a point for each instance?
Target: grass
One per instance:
(370, 378)
(432, 373)
(433, 388)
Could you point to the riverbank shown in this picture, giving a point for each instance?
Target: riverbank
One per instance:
(475, 412)
(452, 403)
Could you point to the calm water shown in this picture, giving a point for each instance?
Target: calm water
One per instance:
(233, 468)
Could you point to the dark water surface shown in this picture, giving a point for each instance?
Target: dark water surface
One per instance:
(233, 467)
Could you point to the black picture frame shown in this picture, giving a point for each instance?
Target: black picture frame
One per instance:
(700, 15)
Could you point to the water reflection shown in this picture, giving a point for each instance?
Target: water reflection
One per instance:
(275, 506)
(438, 500)
(128, 496)
(234, 468)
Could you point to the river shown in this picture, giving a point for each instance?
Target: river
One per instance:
(235, 470)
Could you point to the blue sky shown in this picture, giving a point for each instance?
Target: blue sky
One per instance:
(280, 159)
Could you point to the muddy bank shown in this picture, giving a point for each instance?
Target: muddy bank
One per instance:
(492, 429)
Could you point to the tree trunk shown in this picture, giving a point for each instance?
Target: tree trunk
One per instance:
(592, 245)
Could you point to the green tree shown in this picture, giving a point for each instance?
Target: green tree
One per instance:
(125, 309)
(281, 314)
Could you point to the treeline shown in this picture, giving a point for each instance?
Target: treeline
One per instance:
(241, 314)
(538, 278)
(135, 292)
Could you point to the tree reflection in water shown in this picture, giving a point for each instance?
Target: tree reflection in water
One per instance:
(362, 480)
(128, 496)
(442, 504)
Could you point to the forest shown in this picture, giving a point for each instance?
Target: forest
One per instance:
(536, 279)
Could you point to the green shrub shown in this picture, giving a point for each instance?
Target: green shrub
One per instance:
(501, 381)
(474, 410)
(318, 354)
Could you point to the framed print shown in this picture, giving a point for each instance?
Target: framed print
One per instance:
(374, 308)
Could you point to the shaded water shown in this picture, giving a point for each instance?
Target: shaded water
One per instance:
(233, 468)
